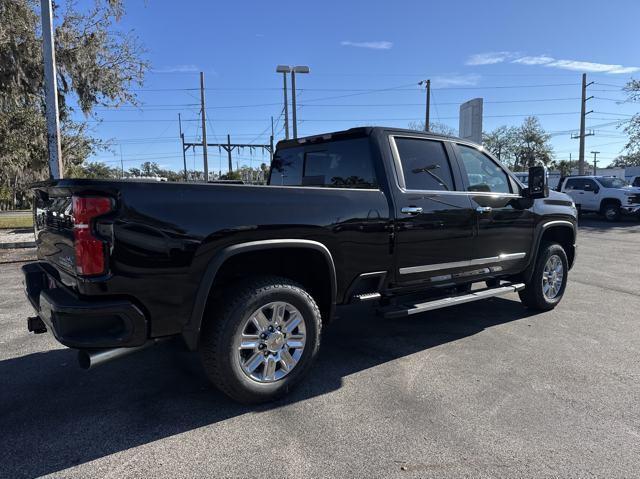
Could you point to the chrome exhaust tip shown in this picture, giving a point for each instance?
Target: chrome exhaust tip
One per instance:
(91, 358)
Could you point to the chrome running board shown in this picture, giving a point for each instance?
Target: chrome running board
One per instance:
(402, 310)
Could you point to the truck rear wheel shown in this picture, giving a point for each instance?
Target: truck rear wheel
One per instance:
(546, 287)
(611, 211)
(261, 340)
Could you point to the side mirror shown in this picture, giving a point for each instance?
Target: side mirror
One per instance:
(538, 183)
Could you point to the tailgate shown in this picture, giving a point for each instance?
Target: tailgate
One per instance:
(53, 224)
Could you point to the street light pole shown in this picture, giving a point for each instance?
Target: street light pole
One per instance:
(284, 69)
(51, 92)
(286, 106)
(293, 103)
(294, 70)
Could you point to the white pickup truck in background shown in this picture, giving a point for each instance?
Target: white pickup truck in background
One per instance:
(607, 195)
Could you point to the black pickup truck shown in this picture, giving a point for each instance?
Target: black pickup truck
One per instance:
(249, 275)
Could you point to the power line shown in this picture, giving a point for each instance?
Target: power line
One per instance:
(345, 119)
(610, 84)
(439, 103)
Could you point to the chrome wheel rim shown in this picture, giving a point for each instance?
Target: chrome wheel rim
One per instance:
(271, 341)
(552, 277)
(610, 213)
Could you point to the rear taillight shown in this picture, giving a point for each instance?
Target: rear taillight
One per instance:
(90, 251)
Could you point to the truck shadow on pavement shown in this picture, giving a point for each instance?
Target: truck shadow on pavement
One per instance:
(54, 416)
(594, 224)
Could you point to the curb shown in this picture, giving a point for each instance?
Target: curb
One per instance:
(22, 244)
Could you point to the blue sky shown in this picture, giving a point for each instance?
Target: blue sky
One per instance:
(523, 58)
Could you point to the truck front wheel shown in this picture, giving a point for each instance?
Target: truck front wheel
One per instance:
(261, 339)
(549, 279)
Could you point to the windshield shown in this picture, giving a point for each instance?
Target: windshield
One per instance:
(612, 182)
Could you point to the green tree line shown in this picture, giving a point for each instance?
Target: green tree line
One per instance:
(98, 64)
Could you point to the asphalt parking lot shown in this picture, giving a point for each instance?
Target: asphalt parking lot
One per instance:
(484, 389)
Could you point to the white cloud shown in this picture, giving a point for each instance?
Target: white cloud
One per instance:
(591, 67)
(178, 69)
(454, 80)
(491, 58)
(538, 60)
(378, 45)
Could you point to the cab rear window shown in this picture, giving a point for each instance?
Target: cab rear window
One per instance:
(338, 164)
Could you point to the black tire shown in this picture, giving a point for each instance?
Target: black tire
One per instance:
(223, 320)
(611, 211)
(533, 296)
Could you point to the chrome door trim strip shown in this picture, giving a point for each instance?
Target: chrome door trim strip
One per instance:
(462, 264)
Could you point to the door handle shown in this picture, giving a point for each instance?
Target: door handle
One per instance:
(484, 209)
(411, 210)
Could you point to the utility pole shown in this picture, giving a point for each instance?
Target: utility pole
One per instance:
(427, 114)
(271, 143)
(204, 129)
(595, 162)
(121, 164)
(229, 149)
(51, 93)
(184, 152)
(583, 118)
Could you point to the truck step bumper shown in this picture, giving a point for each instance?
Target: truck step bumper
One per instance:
(403, 310)
(78, 322)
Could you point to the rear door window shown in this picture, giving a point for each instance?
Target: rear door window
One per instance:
(425, 164)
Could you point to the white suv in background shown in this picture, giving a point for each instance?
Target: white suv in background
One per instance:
(610, 196)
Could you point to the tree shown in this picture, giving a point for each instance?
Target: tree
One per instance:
(631, 159)
(97, 65)
(564, 167)
(531, 145)
(632, 90)
(434, 127)
(94, 170)
(502, 143)
(232, 175)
